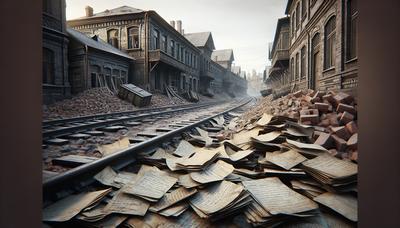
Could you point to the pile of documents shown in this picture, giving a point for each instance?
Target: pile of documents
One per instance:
(274, 170)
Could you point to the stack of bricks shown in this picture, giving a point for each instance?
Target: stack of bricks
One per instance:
(333, 115)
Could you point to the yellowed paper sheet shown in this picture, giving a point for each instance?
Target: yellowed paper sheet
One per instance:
(64, 209)
(344, 204)
(107, 176)
(287, 160)
(119, 145)
(123, 203)
(332, 166)
(277, 198)
(172, 198)
(265, 119)
(215, 172)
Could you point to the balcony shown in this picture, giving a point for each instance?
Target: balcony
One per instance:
(159, 56)
(280, 55)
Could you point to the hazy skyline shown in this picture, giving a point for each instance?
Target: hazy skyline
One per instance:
(244, 26)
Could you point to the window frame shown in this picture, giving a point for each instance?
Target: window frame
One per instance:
(129, 43)
(351, 39)
(111, 40)
(303, 71)
(329, 43)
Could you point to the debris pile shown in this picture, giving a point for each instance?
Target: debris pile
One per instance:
(99, 100)
(333, 116)
(268, 172)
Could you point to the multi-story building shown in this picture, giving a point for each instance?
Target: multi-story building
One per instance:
(209, 72)
(55, 46)
(323, 44)
(163, 55)
(278, 74)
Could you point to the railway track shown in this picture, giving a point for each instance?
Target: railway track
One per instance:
(62, 127)
(82, 174)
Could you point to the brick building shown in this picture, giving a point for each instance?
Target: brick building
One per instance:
(323, 44)
(163, 55)
(55, 81)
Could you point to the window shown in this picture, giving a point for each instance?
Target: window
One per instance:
(172, 48)
(133, 37)
(297, 16)
(293, 23)
(182, 52)
(112, 37)
(178, 49)
(329, 43)
(303, 9)
(156, 39)
(292, 69)
(351, 31)
(303, 62)
(164, 44)
(48, 66)
(297, 65)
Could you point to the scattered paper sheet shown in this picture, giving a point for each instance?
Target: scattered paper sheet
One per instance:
(107, 176)
(65, 209)
(124, 203)
(172, 198)
(344, 204)
(215, 172)
(216, 197)
(277, 198)
(265, 119)
(287, 160)
(184, 149)
(119, 145)
(332, 166)
(151, 185)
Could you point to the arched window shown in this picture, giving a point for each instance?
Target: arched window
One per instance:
(48, 66)
(351, 30)
(329, 43)
(133, 37)
(112, 37)
(292, 69)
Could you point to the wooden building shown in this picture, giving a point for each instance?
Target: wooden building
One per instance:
(95, 63)
(323, 44)
(163, 55)
(55, 46)
(279, 75)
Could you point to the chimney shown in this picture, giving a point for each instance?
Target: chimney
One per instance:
(89, 11)
(172, 23)
(183, 31)
(179, 26)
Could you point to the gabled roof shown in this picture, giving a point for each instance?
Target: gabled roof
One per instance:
(289, 3)
(201, 39)
(222, 55)
(116, 11)
(96, 43)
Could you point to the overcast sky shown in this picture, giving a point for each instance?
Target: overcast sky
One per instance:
(246, 26)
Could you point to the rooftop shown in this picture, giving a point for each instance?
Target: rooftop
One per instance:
(222, 55)
(96, 43)
(200, 39)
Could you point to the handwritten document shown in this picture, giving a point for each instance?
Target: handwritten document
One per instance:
(215, 172)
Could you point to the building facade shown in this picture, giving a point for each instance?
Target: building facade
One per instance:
(279, 75)
(323, 44)
(95, 63)
(55, 81)
(163, 55)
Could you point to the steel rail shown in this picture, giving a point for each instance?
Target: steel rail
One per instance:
(46, 123)
(121, 156)
(102, 123)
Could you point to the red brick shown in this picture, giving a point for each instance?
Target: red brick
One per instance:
(329, 98)
(343, 98)
(346, 118)
(352, 127)
(324, 140)
(353, 141)
(341, 132)
(340, 144)
(322, 107)
(314, 119)
(333, 119)
(315, 99)
(308, 98)
(344, 107)
(309, 112)
(324, 123)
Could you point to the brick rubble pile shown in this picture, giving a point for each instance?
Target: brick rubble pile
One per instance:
(333, 115)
